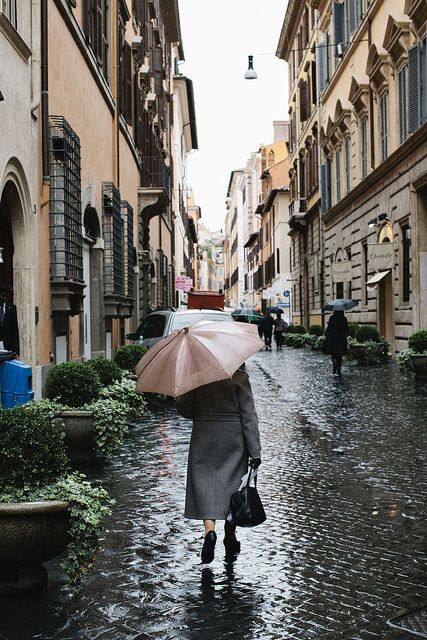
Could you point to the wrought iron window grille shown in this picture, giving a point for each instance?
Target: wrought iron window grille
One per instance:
(65, 208)
(112, 225)
(128, 248)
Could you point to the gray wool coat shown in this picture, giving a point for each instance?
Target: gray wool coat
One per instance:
(225, 433)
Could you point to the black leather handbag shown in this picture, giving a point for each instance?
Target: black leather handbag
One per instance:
(246, 508)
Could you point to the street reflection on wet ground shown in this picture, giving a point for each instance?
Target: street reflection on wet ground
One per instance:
(343, 481)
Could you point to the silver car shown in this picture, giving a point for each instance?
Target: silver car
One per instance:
(159, 324)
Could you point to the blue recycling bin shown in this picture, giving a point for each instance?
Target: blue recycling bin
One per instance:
(16, 383)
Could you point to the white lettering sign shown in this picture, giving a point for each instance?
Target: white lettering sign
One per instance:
(341, 271)
(381, 256)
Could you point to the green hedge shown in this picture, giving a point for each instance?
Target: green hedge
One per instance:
(417, 342)
(72, 384)
(365, 332)
(128, 356)
(315, 330)
(32, 451)
(107, 370)
(296, 328)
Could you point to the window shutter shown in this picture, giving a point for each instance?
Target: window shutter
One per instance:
(353, 16)
(338, 10)
(314, 81)
(87, 20)
(403, 105)
(321, 66)
(423, 71)
(323, 188)
(128, 71)
(414, 92)
(98, 40)
(304, 106)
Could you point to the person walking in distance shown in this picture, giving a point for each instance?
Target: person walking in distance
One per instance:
(224, 437)
(336, 339)
(279, 330)
(267, 327)
(9, 333)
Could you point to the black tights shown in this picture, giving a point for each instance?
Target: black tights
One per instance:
(337, 362)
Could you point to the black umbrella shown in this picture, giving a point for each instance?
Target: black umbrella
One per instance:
(274, 310)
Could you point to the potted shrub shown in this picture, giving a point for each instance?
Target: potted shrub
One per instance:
(44, 508)
(128, 356)
(367, 346)
(73, 385)
(98, 419)
(414, 357)
(108, 371)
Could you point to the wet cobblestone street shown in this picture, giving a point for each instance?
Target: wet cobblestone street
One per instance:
(343, 482)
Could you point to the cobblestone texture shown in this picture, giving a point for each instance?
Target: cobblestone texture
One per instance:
(343, 480)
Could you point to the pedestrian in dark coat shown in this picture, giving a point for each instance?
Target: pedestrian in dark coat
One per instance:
(224, 436)
(9, 333)
(267, 327)
(336, 339)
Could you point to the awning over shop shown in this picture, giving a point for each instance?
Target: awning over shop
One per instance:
(375, 279)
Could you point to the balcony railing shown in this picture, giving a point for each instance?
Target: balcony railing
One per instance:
(154, 172)
(297, 207)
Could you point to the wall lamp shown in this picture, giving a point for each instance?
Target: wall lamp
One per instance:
(380, 219)
(251, 74)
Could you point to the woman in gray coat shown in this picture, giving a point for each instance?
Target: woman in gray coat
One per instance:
(224, 436)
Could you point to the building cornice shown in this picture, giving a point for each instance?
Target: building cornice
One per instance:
(289, 26)
(14, 38)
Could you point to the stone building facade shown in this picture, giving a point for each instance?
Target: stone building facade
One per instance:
(371, 136)
(93, 200)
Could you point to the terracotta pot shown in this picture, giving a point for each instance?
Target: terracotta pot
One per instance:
(419, 365)
(30, 533)
(79, 436)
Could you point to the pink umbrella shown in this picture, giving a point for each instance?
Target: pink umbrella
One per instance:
(197, 355)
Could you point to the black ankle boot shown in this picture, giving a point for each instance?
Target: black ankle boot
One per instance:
(231, 544)
(208, 550)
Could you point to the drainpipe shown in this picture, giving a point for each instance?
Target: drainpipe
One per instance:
(319, 180)
(115, 91)
(44, 88)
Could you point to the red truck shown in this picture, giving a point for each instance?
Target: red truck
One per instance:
(205, 300)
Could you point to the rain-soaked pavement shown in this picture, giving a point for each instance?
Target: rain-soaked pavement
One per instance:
(343, 481)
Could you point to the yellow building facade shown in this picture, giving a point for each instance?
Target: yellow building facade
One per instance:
(370, 118)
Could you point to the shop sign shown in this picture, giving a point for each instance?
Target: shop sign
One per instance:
(183, 282)
(341, 271)
(381, 256)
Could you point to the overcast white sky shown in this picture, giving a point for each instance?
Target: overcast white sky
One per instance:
(234, 115)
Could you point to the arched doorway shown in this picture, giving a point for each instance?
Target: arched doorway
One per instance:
(18, 240)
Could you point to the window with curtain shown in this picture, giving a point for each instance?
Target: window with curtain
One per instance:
(364, 147)
(347, 165)
(338, 173)
(384, 125)
(402, 77)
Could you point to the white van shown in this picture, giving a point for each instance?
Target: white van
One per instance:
(159, 324)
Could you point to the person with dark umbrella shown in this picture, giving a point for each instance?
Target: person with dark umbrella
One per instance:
(9, 333)
(336, 339)
(267, 327)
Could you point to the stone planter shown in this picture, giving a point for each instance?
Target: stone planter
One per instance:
(418, 364)
(358, 351)
(30, 533)
(79, 436)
